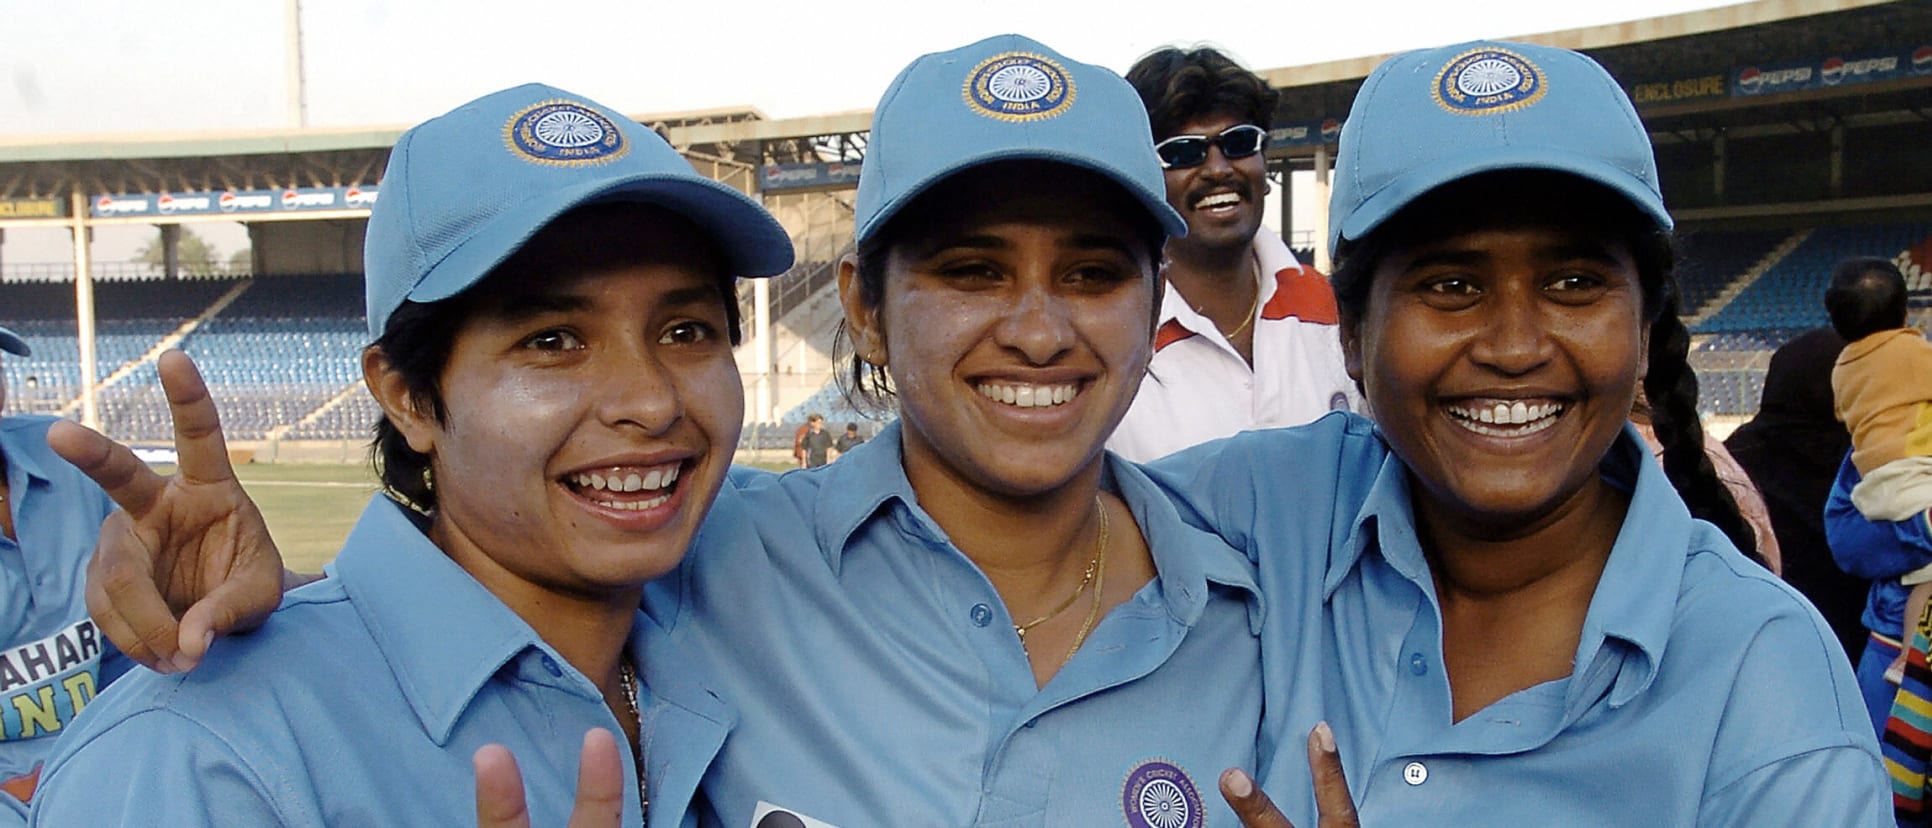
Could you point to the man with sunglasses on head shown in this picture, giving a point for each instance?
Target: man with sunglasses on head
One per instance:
(1247, 336)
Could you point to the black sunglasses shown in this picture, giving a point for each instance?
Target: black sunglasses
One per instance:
(1183, 151)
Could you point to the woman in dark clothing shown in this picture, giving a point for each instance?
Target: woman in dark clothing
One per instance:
(1792, 449)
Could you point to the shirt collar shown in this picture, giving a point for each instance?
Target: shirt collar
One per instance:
(1273, 259)
(1187, 560)
(1636, 597)
(442, 633)
(17, 436)
(860, 485)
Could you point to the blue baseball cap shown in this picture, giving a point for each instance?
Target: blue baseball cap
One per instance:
(465, 190)
(1005, 98)
(1429, 117)
(13, 344)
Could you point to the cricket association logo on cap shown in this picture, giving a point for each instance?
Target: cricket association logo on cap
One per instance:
(1489, 81)
(1158, 794)
(1019, 86)
(564, 133)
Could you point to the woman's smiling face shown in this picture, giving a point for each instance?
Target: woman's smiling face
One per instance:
(1016, 321)
(590, 408)
(1501, 362)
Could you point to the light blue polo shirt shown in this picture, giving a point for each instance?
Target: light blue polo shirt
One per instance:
(880, 681)
(360, 702)
(1706, 691)
(52, 661)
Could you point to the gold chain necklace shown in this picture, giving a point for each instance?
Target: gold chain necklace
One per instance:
(1254, 266)
(1099, 586)
(1092, 566)
(627, 679)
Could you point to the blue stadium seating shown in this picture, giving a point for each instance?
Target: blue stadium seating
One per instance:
(1790, 294)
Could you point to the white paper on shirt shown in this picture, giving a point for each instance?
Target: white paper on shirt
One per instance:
(767, 815)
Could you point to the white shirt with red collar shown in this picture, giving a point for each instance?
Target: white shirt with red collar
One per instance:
(1198, 388)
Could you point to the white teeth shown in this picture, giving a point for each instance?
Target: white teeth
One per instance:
(627, 481)
(1517, 418)
(633, 505)
(1217, 200)
(1029, 396)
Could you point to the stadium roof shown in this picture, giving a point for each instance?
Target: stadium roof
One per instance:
(1693, 44)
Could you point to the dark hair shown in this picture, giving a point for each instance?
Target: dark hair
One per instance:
(1669, 384)
(1867, 295)
(867, 387)
(419, 337)
(1178, 86)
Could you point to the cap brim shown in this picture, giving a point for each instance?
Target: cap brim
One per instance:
(13, 344)
(1155, 203)
(1392, 198)
(754, 244)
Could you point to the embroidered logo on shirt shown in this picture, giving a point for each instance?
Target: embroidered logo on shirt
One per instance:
(1158, 794)
(767, 815)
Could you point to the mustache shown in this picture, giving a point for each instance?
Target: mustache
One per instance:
(1239, 186)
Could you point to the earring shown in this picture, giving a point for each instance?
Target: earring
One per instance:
(429, 479)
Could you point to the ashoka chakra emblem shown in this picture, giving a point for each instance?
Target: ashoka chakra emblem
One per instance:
(568, 128)
(1163, 804)
(1488, 76)
(1019, 84)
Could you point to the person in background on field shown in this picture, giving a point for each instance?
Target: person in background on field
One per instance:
(848, 441)
(814, 444)
(1246, 336)
(52, 659)
(1791, 449)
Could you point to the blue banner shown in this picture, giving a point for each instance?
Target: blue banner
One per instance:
(238, 202)
(778, 178)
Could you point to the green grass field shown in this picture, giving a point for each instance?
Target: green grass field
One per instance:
(311, 507)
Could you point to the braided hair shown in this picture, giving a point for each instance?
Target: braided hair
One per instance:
(1527, 195)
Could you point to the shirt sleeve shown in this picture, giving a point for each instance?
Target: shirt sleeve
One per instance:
(153, 768)
(1872, 550)
(1818, 789)
(1795, 746)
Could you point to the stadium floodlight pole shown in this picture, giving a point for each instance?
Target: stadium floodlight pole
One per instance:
(84, 309)
(298, 104)
(1322, 253)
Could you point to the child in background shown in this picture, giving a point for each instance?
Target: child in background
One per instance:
(1882, 387)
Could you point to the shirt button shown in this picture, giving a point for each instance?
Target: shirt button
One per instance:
(982, 615)
(1415, 773)
(1417, 664)
(550, 666)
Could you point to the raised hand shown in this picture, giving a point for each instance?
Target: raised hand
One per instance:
(1333, 806)
(600, 786)
(188, 557)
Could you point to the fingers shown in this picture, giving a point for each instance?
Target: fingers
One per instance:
(1253, 807)
(499, 789)
(111, 465)
(241, 601)
(197, 426)
(600, 783)
(123, 600)
(1332, 800)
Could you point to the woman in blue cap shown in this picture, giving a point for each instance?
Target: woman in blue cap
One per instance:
(550, 291)
(1515, 619)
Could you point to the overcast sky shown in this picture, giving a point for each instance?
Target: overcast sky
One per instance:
(150, 65)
